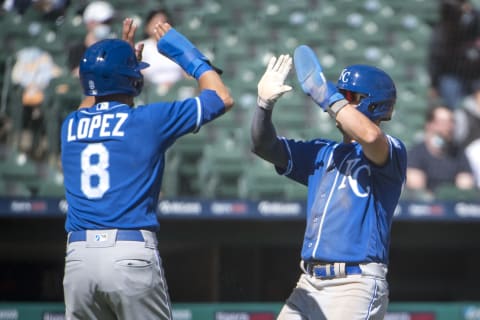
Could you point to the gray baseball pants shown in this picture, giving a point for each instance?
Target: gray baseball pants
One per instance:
(110, 277)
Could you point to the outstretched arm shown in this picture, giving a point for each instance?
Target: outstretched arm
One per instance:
(353, 123)
(265, 142)
(178, 48)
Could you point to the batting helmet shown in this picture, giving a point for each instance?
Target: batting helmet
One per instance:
(374, 86)
(110, 66)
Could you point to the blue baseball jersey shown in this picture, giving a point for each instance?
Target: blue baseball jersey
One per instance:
(113, 158)
(351, 201)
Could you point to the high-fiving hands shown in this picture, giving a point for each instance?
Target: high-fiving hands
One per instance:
(313, 82)
(272, 84)
(128, 34)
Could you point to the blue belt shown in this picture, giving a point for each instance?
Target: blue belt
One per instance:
(325, 271)
(122, 235)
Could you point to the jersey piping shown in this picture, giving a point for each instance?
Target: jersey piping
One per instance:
(330, 194)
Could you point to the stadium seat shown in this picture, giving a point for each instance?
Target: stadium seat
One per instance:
(233, 48)
(426, 10)
(16, 189)
(63, 96)
(18, 173)
(291, 111)
(220, 168)
(452, 193)
(188, 149)
(217, 14)
(260, 181)
(295, 191)
(51, 189)
(170, 181)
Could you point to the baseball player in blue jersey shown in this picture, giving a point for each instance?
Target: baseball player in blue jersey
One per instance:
(353, 186)
(113, 156)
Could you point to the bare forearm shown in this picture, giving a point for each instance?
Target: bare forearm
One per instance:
(211, 80)
(361, 129)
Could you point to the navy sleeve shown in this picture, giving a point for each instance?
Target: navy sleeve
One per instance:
(302, 158)
(395, 168)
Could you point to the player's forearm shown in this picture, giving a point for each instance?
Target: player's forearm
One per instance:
(361, 129)
(211, 80)
(264, 138)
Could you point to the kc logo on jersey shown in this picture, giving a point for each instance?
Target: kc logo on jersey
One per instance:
(352, 176)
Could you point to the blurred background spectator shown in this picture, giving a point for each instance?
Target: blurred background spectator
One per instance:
(163, 72)
(48, 7)
(454, 51)
(32, 71)
(97, 18)
(437, 161)
(467, 129)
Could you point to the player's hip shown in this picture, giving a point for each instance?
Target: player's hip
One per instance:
(336, 270)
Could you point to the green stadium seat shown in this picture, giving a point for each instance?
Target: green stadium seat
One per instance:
(188, 149)
(295, 191)
(170, 181)
(18, 168)
(416, 195)
(220, 168)
(260, 181)
(17, 189)
(233, 48)
(51, 189)
(452, 193)
(3, 188)
(17, 173)
(292, 111)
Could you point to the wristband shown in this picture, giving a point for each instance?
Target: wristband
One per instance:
(336, 107)
(265, 104)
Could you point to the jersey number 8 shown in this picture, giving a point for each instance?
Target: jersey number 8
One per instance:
(95, 179)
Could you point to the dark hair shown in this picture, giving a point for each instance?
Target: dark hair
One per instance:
(152, 13)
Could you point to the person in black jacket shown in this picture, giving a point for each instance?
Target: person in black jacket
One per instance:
(454, 52)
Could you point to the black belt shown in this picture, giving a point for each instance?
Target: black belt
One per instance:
(122, 235)
(329, 270)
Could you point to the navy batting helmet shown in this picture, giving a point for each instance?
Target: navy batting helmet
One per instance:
(110, 66)
(376, 90)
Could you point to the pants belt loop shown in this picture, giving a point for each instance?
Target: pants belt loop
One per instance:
(150, 239)
(339, 268)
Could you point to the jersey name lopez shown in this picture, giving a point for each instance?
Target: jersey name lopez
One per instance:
(100, 125)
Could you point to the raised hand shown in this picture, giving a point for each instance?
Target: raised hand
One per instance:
(178, 48)
(272, 84)
(128, 34)
(311, 77)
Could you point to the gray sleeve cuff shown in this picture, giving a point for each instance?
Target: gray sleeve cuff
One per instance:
(336, 107)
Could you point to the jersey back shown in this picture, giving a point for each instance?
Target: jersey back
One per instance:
(113, 162)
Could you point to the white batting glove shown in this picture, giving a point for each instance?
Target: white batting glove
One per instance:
(272, 84)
